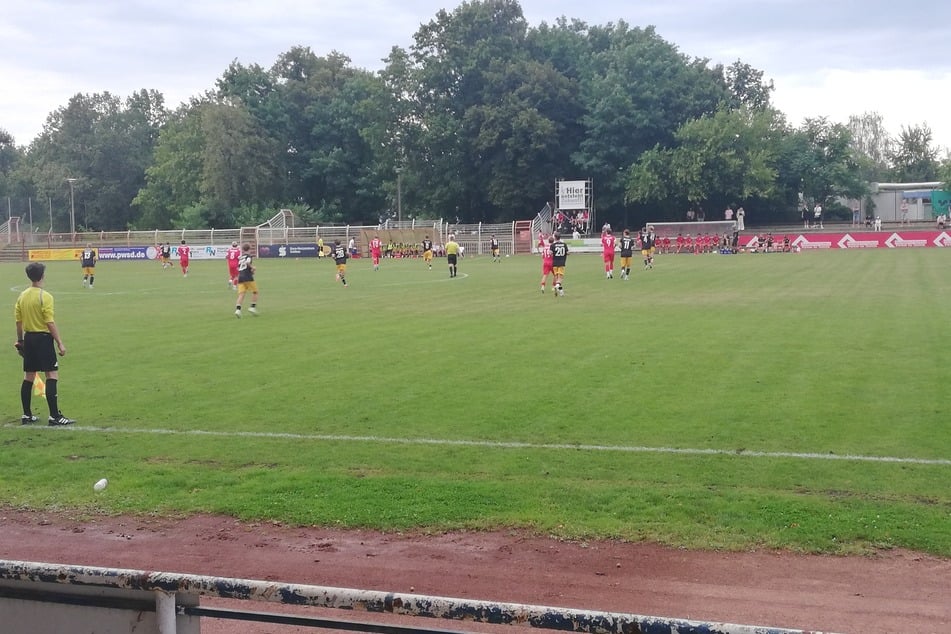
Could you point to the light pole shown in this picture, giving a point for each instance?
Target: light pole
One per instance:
(72, 207)
(399, 194)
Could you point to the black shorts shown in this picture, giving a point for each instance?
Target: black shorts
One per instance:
(451, 258)
(39, 355)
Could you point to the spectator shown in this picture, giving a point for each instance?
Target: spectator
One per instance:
(741, 219)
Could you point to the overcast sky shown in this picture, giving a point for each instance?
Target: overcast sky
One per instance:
(830, 58)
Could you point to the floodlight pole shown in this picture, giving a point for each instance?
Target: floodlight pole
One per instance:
(72, 207)
(399, 194)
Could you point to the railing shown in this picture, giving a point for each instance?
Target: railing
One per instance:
(159, 600)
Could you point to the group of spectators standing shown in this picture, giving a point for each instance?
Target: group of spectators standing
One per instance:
(571, 222)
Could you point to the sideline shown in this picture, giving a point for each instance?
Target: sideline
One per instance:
(740, 453)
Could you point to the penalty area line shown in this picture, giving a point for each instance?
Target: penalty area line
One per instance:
(489, 444)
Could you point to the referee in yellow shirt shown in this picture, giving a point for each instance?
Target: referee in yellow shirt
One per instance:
(452, 255)
(36, 334)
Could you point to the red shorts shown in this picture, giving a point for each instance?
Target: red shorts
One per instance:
(546, 268)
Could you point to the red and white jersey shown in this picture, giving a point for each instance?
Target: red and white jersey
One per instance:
(184, 251)
(546, 253)
(232, 255)
(376, 245)
(607, 244)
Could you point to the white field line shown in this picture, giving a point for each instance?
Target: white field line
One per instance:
(742, 453)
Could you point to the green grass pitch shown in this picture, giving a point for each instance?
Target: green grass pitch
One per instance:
(785, 400)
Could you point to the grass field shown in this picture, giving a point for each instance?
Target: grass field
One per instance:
(735, 402)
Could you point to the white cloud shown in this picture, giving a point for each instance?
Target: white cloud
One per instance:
(903, 98)
(827, 58)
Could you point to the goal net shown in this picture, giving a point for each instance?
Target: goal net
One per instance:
(711, 227)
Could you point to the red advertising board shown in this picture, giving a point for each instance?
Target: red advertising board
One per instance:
(856, 239)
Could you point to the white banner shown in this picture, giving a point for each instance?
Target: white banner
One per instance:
(571, 195)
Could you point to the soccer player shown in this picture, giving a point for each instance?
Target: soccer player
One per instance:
(246, 281)
(647, 247)
(183, 252)
(559, 257)
(87, 260)
(340, 257)
(494, 245)
(547, 263)
(627, 252)
(428, 252)
(376, 251)
(166, 256)
(232, 256)
(36, 334)
(607, 252)
(452, 255)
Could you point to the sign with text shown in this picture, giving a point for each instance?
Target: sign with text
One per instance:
(571, 195)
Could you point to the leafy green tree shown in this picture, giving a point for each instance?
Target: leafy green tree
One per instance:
(173, 180)
(872, 146)
(820, 155)
(915, 159)
(641, 90)
(727, 158)
(106, 145)
(747, 87)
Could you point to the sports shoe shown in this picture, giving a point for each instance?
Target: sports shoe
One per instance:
(90, 286)
(28, 420)
(253, 310)
(237, 313)
(60, 421)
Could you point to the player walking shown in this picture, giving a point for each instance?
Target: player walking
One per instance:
(232, 256)
(559, 257)
(166, 255)
(494, 245)
(246, 281)
(88, 262)
(183, 252)
(607, 253)
(376, 251)
(428, 251)
(627, 252)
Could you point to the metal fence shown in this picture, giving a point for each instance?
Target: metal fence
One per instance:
(168, 603)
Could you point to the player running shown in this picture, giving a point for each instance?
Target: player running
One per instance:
(545, 248)
(340, 258)
(647, 246)
(232, 255)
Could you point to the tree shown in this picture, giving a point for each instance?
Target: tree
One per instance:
(820, 156)
(914, 158)
(871, 145)
(104, 143)
(640, 92)
(747, 87)
(173, 180)
(722, 159)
